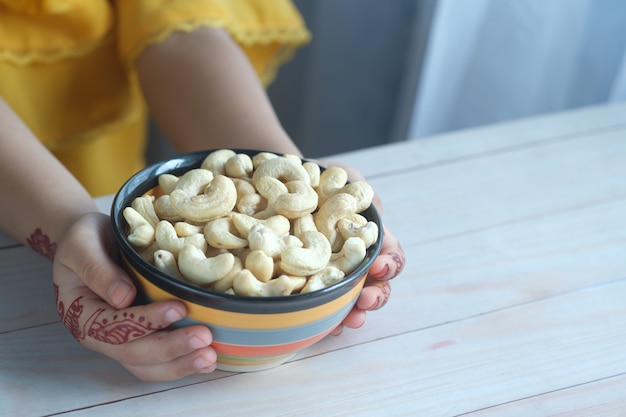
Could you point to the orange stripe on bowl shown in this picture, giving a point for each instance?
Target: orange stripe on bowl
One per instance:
(262, 351)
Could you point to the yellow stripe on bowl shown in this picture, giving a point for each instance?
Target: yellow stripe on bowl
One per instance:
(254, 321)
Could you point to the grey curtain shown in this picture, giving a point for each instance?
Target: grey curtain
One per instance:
(353, 87)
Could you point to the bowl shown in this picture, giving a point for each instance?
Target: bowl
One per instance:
(249, 333)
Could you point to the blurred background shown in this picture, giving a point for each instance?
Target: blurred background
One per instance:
(387, 71)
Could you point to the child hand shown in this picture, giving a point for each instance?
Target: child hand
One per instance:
(94, 297)
(377, 289)
(388, 265)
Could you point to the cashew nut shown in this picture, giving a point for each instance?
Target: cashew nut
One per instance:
(167, 182)
(238, 166)
(197, 268)
(350, 257)
(303, 224)
(283, 168)
(314, 173)
(260, 264)
(334, 180)
(308, 260)
(331, 211)
(265, 239)
(294, 158)
(167, 238)
(300, 199)
(248, 200)
(194, 181)
(217, 201)
(297, 282)
(216, 160)
(141, 231)
(358, 226)
(325, 278)
(269, 188)
(331, 180)
(164, 209)
(261, 157)
(226, 283)
(251, 204)
(145, 206)
(166, 262)
(219, 233)
(244, 186)
(246, 284)
(184, 229)
(362, 192)
(280, 225)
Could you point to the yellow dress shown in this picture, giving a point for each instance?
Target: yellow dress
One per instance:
(66, 69)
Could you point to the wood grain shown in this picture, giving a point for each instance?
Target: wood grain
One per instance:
(511, 302)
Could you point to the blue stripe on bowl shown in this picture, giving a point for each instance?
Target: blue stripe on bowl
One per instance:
(259, 337)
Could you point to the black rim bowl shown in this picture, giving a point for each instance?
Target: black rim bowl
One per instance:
(147, 179)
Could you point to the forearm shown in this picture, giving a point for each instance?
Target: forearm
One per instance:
(38, 192)
(203, 92)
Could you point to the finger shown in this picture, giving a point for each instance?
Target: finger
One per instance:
(354, 319)
(390, 262)
(374, 295)
(200, 361)
(337, 330)
(87, 251)
(164, 346)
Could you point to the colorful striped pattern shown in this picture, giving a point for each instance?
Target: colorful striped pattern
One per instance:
(250, 342)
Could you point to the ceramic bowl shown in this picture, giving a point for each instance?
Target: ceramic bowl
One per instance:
(249, 333)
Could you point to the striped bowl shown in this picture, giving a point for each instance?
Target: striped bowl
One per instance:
(249, 333)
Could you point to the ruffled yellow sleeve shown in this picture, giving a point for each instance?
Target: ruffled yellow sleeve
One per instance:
(46, 31)
(269, 31)
(66, 67)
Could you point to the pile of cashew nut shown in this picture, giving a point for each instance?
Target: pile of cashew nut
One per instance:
(267, 225)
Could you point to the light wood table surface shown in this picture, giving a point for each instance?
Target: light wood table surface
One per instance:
(512, 302)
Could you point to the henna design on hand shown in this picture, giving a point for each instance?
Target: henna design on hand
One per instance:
(121, 329)
(399, 259)
(386, 270)
(40, 243)
(385, 288)
(70, 317)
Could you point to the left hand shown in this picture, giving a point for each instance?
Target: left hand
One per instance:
(377, 289)
(388, 265)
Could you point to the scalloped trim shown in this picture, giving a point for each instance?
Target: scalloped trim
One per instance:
(53, 55)
(292, 38)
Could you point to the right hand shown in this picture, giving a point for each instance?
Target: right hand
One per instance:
(94, 297)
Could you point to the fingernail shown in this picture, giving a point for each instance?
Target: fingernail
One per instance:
(197, 343)
(380, 272)
(118, 292)
(375, 305)
(173, 315)
(202, 364)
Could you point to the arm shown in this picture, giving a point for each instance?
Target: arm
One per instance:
(44, 202)
(40, 196)
(202, 92)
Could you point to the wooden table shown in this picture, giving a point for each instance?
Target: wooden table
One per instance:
(512, 303)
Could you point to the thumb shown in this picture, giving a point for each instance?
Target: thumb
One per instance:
(88, 249)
